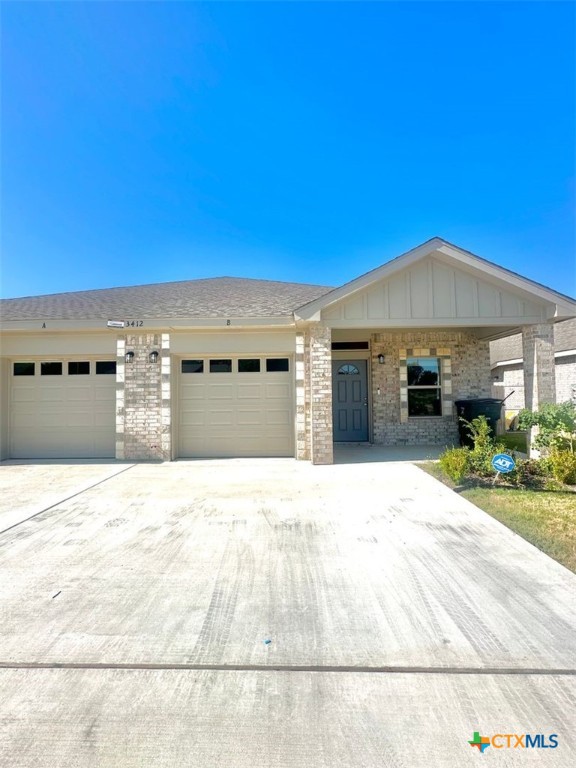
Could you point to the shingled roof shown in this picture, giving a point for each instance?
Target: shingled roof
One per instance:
(510, 348)
(211, 297)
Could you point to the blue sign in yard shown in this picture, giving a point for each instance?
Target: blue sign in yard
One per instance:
(503, 463)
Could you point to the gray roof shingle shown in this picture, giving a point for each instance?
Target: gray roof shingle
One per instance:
(211, 297)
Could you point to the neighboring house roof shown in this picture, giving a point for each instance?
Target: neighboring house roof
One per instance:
(510, 348)
(212, 297)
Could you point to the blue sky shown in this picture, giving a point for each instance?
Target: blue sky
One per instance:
(309, 142)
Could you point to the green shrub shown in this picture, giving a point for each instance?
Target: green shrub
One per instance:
(556, 424)
(455, 463)
(484, 448)
(531, 472)
(563, 466)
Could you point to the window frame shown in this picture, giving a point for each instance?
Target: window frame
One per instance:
(425, 387)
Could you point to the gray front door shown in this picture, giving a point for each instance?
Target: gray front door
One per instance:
(349, 401)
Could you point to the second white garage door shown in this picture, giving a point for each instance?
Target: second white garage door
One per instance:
(236, 407)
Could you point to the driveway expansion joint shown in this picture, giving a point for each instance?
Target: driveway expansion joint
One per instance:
(67, 498)
(291, 668)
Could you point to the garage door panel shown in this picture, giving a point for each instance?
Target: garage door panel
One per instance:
(80, 419)
(79, 394)
(193, 418)
(250, 418)
(63, 444)
(221, 392)
(220, 419)
(277, 391)
(250, 392)
(63, 416)
(194, 392)
(245, 414)
(278, 418)
(51, 394)
(24, 395)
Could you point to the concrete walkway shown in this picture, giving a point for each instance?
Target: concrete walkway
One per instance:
(268, 612)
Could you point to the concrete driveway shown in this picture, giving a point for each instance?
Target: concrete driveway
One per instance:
(271, 613)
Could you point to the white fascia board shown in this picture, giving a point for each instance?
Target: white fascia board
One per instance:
(566, 306)
(164, 323)
(516, 361)
(520, 360)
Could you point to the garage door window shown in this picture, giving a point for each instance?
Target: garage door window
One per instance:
(220, 366)
(24, 369)
(251, 365)
(192, 366)
(106, 367)
(51, 369)
(276, 364)
(79, 368)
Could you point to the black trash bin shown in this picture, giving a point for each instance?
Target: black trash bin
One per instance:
(470, 409)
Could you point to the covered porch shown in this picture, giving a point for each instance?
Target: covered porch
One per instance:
(382, 360)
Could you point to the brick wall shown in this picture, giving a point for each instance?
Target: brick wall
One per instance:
(539, 368)
(566, 379)
(320, 397)
(143, 414)
(466, 367)
(510, 384)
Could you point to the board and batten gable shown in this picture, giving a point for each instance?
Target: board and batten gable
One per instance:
(432, 290)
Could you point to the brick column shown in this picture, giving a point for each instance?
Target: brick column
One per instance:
(143, 415)
(539, 370)
(320, 368)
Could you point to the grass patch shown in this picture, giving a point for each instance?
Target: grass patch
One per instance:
(544, 518)
(513, 442)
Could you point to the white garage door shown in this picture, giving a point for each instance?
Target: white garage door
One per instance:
(236, 407)
(63, 409)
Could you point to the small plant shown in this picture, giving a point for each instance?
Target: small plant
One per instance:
(556, 426)
(455, 463)
(563, 466)
(484, 448)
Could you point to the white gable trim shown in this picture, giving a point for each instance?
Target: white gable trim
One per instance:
(560, 306)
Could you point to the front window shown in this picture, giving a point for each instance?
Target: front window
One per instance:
(424, 386)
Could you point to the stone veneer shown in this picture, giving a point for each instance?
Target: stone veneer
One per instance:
(566, 379)
(143, 414)
(465, 374)
(319, 390)
(539, 369)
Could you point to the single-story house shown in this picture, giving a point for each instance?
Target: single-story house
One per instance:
(240, 367)
(507, 362)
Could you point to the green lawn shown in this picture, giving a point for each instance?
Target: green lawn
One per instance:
(546, 519)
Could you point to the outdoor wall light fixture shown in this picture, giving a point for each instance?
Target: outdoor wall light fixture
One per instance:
(381, 358)
(153, 357)
(129, 357)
